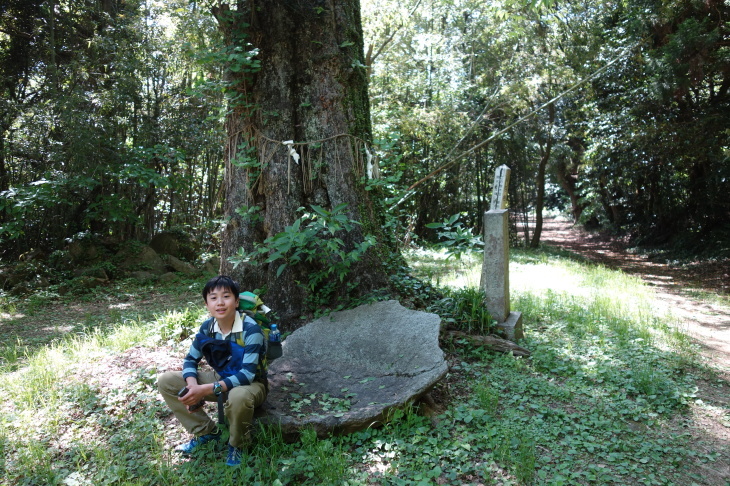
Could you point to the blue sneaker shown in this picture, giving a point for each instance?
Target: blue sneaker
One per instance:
(234, 456)
(196, 442)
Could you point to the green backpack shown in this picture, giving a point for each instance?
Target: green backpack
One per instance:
(252, 305)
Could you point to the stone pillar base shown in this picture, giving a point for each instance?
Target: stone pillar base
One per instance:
(512, 327)
(495, 268)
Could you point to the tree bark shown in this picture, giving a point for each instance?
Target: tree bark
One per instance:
(540, 178)
(4, 178)
(311, 88)
(567, 175)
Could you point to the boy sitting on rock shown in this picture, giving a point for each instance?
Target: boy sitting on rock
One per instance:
(233, 344)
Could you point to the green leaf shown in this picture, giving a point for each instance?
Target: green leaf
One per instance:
(339, 208)
(280, 269)
(319, 210)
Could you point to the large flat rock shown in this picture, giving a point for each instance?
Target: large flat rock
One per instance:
(345, 371)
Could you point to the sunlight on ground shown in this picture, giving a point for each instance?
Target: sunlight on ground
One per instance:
(540, 277)
(123, 305)
(57, 329)
(523, 277)
(550, 278)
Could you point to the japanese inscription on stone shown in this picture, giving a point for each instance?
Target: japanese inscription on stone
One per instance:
(499, 192)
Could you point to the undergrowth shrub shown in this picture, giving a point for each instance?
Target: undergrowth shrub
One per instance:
(315, 461)
(464, 309)
(176, 326)
(315, 241)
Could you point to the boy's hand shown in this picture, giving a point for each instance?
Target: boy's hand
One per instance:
(196, 394)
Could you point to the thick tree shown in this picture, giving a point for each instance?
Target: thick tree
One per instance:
(296, 74)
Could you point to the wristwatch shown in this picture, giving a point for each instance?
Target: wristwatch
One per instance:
(217, 388)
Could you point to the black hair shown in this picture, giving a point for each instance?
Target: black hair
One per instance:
(222, 282)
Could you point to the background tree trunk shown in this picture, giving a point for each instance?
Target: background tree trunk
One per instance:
(311, 88)
(545, 152)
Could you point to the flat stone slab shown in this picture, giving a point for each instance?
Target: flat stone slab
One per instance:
(345, 371)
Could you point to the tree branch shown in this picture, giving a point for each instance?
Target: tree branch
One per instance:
(456, 159)
(16, 33)
(493, 343)
(370, 57)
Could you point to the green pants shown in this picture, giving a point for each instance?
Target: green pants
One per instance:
(239, 408)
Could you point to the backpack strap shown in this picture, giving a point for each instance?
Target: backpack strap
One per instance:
(239, 338)
(222, 399)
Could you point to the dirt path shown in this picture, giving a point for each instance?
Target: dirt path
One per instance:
(687, 290)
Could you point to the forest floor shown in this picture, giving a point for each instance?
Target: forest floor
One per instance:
(698, 294)
(691, 290)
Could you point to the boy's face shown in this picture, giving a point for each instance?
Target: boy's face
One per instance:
(222, 304)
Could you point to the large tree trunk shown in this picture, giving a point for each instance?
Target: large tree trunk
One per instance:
(311, 88)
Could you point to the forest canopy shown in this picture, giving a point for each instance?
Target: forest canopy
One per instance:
(112, 117)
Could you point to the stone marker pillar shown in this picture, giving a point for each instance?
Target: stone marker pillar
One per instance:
(495, 268)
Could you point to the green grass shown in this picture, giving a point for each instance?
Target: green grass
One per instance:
(708, 297)
(437, 267)
(603, 399)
